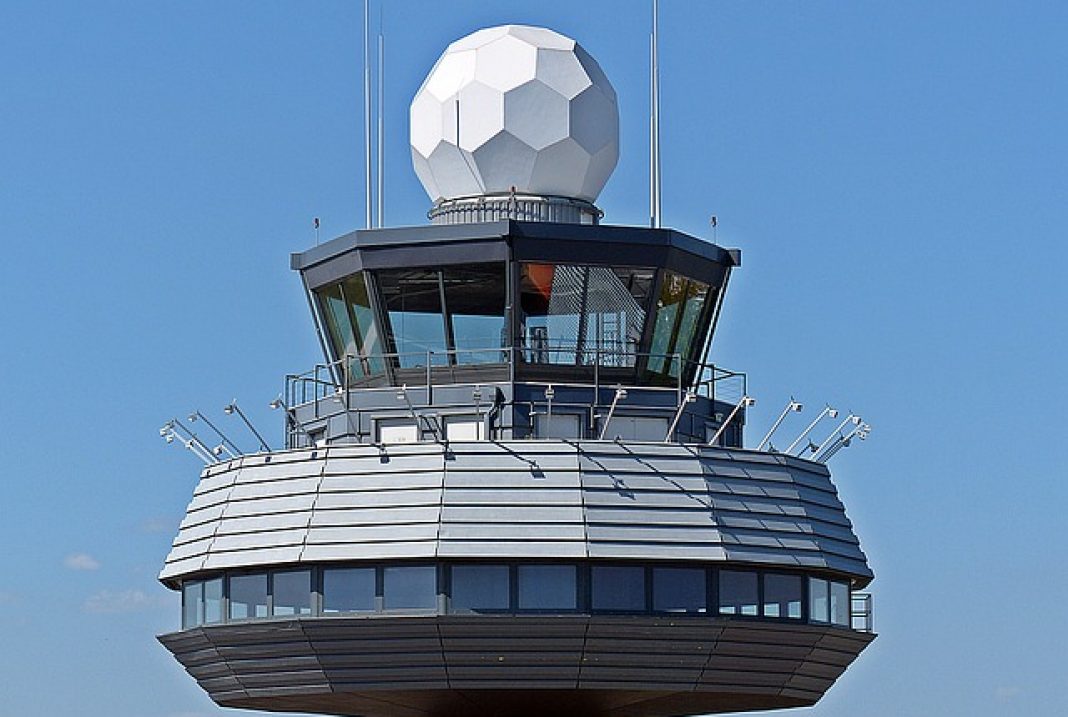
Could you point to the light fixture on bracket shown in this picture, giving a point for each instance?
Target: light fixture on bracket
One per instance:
(745, 402)
(827, 411)
(232, 408)
(621, 394)
(792, 406)
(688, 398)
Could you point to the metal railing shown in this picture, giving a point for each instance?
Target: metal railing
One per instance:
(597, 367)
(862, 612)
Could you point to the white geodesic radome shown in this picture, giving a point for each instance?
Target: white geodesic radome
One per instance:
(515, 107)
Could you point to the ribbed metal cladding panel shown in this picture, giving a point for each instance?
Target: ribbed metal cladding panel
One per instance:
(600, 665)
(516, 500)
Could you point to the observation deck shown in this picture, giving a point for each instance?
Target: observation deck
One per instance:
(516, 485)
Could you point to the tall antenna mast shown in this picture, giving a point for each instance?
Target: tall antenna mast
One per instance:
(367, 110)
(381, 110)
(654, 120)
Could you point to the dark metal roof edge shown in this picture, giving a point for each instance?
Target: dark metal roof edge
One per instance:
(397, 236)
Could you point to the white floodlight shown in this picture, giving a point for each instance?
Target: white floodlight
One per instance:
(792, 406)
(690, 397)
(277, 403)
(746, 402)
(827, 411)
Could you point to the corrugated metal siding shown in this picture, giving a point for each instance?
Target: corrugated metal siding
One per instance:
(519, 499)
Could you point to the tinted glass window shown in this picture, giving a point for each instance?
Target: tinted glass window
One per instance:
(248, 596)
(737, 593)
(405, 588)
(547, 587)
(474, 303)
(346, 310)
(581, 314)
(292, 592)
(840, 604)
(213, 601)
(348, 590)
(192, 603)
(412, 299)
(679, 590)
(818, 600)
(618, 588)
(480, 587)
(782, 595)
(679, 309)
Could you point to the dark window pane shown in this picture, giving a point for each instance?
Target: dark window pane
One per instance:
(737, 593)
(334, 310)
(213, 601)
(346, 311)
(547, 587)
(782, 596)
(679, 308)
(409, 587)
(192, 603)
(412, 300)
(480, 587)
(474, 299)
(840, 604)
(292, 592)
(248, 596)
(818, 600)
(348, 590)
(618, 588)
(679, 590)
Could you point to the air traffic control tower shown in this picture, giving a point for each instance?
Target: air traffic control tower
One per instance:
(516, 486)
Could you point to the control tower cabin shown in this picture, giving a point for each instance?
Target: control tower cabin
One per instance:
(516, 486)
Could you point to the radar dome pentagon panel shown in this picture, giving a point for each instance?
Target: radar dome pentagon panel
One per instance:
(515, 108)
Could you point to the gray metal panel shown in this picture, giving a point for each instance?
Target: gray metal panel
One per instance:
(516, 499)
(516, 666)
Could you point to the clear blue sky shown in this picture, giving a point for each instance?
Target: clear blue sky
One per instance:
(896, 175)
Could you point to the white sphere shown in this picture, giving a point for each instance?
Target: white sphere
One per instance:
(515, 106)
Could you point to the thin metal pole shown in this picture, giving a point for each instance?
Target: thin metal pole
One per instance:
(746, 401)
(817, 419)
(655, 163)
(232, 449)
(791, 406)
(367, 110)
(381, 123)
(263, 443)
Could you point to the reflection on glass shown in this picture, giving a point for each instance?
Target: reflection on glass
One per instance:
(840, 604)
(679, 590)
(405, 588)
(782, 596)
(618, 588)
(292, 592)
(679, 308)
(818, 600)
(474, 302)
(480, 587)
(582, 314)
(412, 298)
(192, 603)
(350, 326)
(248, 596)
(547, 587)
(737, 593)
(348, 590)
(213, 601)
